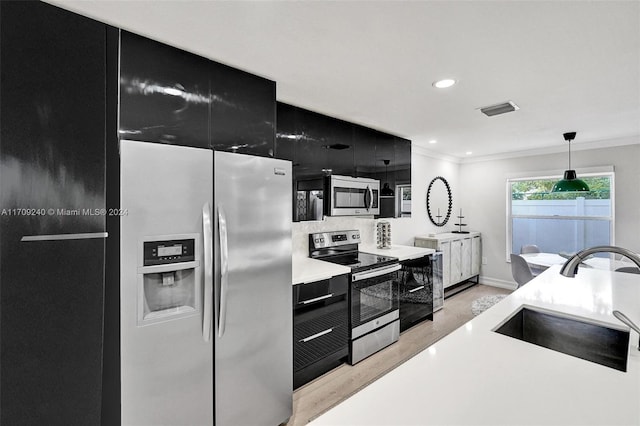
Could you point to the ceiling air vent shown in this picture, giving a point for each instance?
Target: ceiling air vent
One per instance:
(499, 108)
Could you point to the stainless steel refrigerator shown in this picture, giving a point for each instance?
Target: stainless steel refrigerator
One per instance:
(205, 287)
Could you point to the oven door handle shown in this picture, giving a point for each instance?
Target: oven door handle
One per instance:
(375, 273)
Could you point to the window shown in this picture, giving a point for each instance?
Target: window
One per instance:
(559, 222)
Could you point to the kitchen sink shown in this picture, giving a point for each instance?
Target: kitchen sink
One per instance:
(592, 342)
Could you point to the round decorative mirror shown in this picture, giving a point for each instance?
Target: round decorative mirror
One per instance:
(439, 201)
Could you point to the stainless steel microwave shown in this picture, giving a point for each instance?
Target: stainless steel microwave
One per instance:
(349, 196)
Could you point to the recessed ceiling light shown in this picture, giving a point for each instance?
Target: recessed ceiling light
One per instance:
(469, 152)
(432, 141)
(443, 84)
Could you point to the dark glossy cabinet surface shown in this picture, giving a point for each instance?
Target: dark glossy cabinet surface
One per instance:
(320, 327)
(164, 93)
(52, 168)
(320, 145)
(243, 111)
(168, 95)
(416, 292)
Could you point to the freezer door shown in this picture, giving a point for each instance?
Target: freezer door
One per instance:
(166, 359)
(252, 286)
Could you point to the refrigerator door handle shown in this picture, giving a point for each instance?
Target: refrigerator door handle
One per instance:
(208, 272)
(224, 269)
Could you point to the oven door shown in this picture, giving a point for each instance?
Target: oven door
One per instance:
(374, 293)
(354, 196)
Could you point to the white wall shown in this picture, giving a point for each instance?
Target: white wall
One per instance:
(423, 169)
(483, 192)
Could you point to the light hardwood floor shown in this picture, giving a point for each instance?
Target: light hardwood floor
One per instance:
(316, 397)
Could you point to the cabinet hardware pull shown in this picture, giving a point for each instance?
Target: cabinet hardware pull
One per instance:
(315, 336)
(326, 296)
(416, 289)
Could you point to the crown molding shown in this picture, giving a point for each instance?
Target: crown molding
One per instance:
(418, 149)
(582, 146)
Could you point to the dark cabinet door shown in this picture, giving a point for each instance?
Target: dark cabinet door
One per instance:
(385, 171)
(364, 141)
(324, 146)
(52, 181)
(287, 133)
(416, 292)
(164, 93)
(243, 111)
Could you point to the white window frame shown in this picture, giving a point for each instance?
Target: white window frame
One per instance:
(596, 171)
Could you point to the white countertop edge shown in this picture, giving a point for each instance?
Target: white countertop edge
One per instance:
(307, 270)
(400, 251)
(477, 377)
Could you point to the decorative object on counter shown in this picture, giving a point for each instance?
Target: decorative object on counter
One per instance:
(383, 234)
(570, 181)
(439, 197)
(460, 225)
(386, 191)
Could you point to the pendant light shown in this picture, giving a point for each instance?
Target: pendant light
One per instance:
(386, 191)
(570, 182)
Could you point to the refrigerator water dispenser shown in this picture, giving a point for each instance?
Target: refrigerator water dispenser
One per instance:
(168, 284)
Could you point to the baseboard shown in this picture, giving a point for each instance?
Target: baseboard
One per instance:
(494, 282)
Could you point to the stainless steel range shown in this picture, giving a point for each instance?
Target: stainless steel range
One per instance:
(373, 303)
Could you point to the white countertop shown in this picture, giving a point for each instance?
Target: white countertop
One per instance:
(307, 270)
(475, 376)
(448, 236)
(401, 252)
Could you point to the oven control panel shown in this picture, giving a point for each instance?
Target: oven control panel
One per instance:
(333, 239)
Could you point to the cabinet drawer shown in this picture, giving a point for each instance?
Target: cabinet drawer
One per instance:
(317, 336)
(320, 291)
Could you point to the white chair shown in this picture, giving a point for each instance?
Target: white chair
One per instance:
(520, 270)
(529, 248)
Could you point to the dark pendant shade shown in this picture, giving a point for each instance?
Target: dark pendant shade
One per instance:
(570, 182)
(386, 191)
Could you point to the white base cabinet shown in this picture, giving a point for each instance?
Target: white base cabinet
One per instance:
(461, 254)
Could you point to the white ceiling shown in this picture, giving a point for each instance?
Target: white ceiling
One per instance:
(569, 65)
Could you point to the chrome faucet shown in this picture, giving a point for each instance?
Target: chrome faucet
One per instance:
(570, 267)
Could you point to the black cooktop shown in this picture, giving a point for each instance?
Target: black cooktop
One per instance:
(360, 261)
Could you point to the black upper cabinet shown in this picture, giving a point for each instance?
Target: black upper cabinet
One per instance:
(403, 161)
(53, 129)
(164, 93)
(320, 145)
(287, 133)
(243, 111)
(364, 141)
(324, 146)
(168, 95)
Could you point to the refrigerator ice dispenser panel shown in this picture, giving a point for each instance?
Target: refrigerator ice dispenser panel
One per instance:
(167, 284)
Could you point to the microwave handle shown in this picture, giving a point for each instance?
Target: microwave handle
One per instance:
(370, 197)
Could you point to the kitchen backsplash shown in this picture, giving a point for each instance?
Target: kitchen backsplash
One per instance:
(301, 230)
